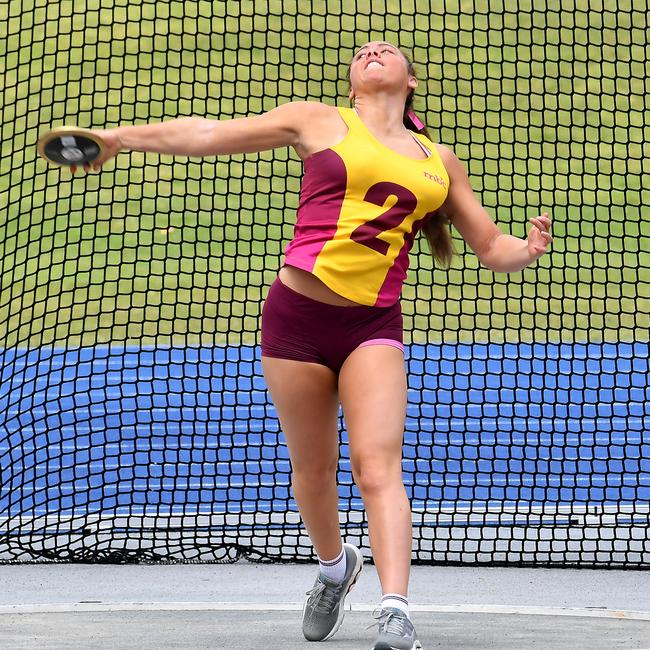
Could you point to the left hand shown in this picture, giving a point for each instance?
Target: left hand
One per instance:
(539, 236)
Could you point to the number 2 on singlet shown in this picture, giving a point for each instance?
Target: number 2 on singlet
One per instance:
(366, 233)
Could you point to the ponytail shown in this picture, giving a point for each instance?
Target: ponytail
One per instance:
(436, 227)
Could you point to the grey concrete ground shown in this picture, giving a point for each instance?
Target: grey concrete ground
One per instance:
(258, 606)
(198, 630)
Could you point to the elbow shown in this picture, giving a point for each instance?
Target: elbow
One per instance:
(488, 254)
(208, 138)
(490, 263)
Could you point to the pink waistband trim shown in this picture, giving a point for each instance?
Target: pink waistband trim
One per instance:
(393, 342)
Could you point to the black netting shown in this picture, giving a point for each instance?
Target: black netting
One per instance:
(134, 421)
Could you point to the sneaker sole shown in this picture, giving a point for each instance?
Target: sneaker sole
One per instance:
(416, 646)
(341, 616)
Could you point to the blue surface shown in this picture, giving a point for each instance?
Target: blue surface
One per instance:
(192, 429)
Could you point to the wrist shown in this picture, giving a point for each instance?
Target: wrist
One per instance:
(121, 138)
(534, 253)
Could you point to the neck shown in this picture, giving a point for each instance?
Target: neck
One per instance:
(382, 114)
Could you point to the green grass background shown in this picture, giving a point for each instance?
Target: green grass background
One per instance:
(547, 108)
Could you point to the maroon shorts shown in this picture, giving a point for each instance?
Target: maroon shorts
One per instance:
(303, 329)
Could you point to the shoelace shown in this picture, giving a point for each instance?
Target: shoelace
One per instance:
(389, 622)
(325, 597)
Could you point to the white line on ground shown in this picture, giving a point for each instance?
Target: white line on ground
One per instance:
(99, 606)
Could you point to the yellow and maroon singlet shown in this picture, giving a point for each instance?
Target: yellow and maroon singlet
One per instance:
(361, 205)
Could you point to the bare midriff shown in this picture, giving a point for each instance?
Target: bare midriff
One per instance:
(309, 285)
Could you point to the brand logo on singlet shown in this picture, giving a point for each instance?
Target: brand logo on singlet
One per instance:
(436, 178)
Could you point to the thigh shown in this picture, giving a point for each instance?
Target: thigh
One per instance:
(306, 399)
(372, 389)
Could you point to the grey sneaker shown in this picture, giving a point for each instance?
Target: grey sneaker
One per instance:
(323, 612)
(396, 631)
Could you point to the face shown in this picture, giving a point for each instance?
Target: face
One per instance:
(380, 65)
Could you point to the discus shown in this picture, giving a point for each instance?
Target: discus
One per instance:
(71, 146)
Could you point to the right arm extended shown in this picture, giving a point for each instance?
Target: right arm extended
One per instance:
(195, 136)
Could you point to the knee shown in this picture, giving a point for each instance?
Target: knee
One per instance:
(373, 478)
(314, 478)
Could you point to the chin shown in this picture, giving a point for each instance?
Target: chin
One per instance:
(376, 76)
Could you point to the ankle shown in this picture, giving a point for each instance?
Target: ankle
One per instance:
(335, 568)
(397, 601)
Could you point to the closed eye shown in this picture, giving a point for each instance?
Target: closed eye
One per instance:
(364, 53)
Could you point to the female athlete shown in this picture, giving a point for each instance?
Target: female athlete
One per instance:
(331, 323)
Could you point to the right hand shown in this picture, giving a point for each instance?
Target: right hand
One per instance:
(112, 146)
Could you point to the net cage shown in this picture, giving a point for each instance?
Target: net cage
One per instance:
(134, 421)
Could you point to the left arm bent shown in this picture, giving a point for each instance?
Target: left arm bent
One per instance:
(496, 250)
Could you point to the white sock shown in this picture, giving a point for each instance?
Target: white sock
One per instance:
(397, 601)
(334, 569)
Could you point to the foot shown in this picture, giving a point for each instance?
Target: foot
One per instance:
(396, 631)
(323, 612)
